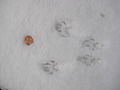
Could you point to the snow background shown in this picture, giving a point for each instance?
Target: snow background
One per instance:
(19, 63)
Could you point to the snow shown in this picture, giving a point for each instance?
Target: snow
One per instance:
(20, 64)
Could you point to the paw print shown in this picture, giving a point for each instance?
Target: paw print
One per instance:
(49, 67)
(88, 59)
(91, 44)
(62, 26)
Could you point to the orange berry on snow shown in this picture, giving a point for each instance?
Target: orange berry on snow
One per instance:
(28, 40)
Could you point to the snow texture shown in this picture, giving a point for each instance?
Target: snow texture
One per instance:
(71, 37)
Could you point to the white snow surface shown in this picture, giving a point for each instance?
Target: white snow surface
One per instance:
(20, 64)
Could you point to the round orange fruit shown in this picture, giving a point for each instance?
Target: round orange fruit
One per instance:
(28, 40)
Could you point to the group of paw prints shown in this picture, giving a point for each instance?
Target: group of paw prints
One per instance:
(89, 47)
(51, 66)
(89, 44)
(62, 28)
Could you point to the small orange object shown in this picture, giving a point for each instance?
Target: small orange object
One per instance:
(28, 40)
